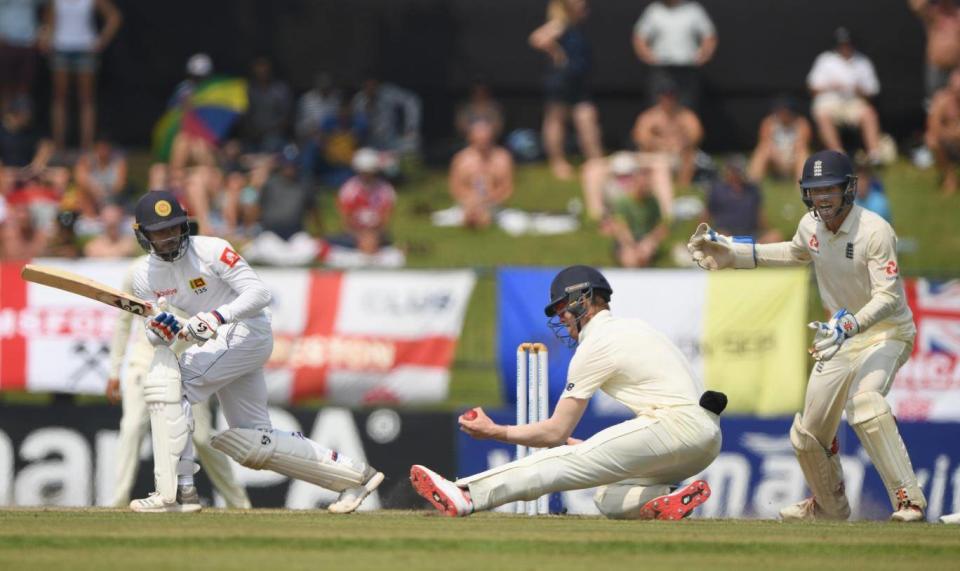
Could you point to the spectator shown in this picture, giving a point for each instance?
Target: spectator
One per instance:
(735, 205)
(604, 178)
(116, 240)
(393, 114)
(100, 176)
(670, 129)
(566, 85)
(75, 44)
(480, 105)
(870, 191)
(271, 104)
(18, 49)
(841, 80)
(20, 143)
(481, 176)
(632, 213)
(943, 132)
(286, 202)
(332, 149)
(941, 18)
(314, 107)
(22, 236)
(365, 203)
(783, 142)
(64, 242)
(190, 145)
(675, 38)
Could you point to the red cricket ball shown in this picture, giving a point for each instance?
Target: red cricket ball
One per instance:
(470, 414)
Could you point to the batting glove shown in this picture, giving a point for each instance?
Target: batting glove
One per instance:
(831, 335)
(714, 251)
(162, 329)
(202, 327)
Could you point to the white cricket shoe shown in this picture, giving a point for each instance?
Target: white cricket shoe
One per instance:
(351, 498)
(187, 501)
(950, 518)
(441, 492)
(809, 510)
(908, 513)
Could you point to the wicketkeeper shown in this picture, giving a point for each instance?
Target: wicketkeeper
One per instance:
(637, 462)
(231, 340)
(857, 352)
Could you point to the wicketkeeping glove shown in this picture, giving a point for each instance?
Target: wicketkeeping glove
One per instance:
(831, 335)
(162, 329)
(713, 251)
(202, 327)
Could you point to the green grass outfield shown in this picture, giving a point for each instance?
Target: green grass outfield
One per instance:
(274, 540)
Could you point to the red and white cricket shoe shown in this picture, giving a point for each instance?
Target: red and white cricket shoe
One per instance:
(677, 505)
(441, 492)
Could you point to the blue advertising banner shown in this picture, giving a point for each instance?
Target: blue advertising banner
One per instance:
(757, 473)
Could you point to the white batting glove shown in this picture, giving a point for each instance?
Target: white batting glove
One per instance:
(831, 335)
(713, 251)
(202, 327)
(162, 329)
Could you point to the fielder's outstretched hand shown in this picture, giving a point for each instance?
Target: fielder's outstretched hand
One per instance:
(711, 251)
(831, 335)
(477, 424)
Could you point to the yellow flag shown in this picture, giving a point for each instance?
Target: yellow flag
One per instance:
(754, 339)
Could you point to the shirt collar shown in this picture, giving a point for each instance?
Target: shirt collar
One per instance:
(598, 319)
(850, 220)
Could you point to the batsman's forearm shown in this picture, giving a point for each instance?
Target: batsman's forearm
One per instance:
(248, 303)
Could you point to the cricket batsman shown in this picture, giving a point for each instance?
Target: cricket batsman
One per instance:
(135, 420)
(231, 340)
(857, 352)
(638, 462)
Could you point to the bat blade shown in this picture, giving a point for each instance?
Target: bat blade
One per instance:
(86, 287)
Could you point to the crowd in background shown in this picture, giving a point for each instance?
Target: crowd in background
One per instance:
(254, 173)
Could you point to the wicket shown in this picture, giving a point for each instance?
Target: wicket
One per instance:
(532, 405)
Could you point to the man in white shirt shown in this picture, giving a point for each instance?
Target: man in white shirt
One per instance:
(676, 432)
(675, 38)
(841, 82)
(232, 339)
(858, 352)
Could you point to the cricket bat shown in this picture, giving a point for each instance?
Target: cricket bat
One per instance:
(79, 285)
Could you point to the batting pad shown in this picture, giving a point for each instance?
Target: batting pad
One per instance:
(292, 455)
(169, 419)
(822, 470)
(871, 418)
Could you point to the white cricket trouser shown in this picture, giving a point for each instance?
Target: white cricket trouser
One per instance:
(135, 423)
(231, 366)
(664, 448)
(852, 370)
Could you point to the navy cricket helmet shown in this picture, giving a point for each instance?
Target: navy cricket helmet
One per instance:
(572, 283)
(825, 169)
(159, 210)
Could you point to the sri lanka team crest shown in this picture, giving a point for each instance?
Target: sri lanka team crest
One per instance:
(814, 244)
(198, 285)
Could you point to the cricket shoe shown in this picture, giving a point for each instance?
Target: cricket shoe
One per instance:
(441, 492)
(809, 510)
(908, 513)
(677, 505)
(187, 501)
(950, 518)
(351, 498)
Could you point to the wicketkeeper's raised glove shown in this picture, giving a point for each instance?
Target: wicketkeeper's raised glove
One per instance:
(831, 335)
(202, 327)
(713, 251)
(162, 329)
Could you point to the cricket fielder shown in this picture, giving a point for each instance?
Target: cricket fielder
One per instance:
(231, 340)
(857, 352)
(638, 461)
(135, 420)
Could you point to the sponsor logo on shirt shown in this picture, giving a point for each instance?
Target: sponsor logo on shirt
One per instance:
(891, 269)
(165, 292)
(814, 244)
(849, 250)
(229, 257)
(198, 285)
